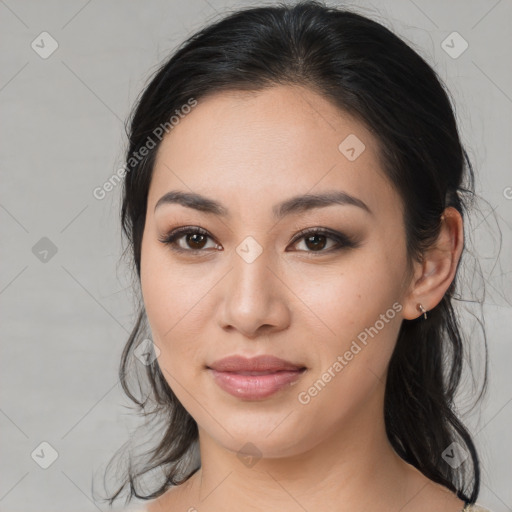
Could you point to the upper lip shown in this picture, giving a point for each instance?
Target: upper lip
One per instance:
(264, 363)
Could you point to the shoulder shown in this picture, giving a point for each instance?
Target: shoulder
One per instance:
(169, 500)
(476, 508)
(159, 504)
(175, 497)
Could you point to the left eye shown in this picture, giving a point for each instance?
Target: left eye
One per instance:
(315, 240)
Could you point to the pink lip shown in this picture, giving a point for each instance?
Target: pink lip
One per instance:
(264, 363)
(255, 378)
(254, 387)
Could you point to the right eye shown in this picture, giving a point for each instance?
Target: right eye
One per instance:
(192, 236)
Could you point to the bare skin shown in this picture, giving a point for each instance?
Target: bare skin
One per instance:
(250, 152)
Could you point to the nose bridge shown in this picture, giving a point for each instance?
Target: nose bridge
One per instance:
(251, 278)
(254, 295)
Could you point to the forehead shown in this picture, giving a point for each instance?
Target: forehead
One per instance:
(242, 147)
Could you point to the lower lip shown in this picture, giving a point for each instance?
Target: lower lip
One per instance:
(255, 387)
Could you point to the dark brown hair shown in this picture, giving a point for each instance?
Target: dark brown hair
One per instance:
(369, 72)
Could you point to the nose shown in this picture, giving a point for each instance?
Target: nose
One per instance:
(255, 298)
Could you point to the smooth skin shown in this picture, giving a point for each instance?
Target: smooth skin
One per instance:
(302, 301)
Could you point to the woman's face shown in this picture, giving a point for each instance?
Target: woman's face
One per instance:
(252, 287)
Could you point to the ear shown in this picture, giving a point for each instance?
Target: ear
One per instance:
(433, 276)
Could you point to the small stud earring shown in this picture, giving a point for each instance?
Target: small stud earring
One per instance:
(422, 310)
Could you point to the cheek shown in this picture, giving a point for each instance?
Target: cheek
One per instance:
(172, 298)
(361, 318)
(158, 293)
(164, 289)
(352, 295)
(356, 313)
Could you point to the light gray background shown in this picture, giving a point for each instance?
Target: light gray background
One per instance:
(65, 321)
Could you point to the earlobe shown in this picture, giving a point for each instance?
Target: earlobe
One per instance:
(436, 272)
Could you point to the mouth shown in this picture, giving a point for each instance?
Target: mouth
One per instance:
(255, 378)
(259, 365)
(268, 372)
(256, 385)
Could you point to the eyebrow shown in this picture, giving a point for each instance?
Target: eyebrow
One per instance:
(294, 205)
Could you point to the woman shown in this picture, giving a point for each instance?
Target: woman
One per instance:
(294, 198)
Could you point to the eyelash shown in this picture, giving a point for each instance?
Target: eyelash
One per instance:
(342, 241)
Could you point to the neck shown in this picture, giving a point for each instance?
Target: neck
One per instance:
(355, 465)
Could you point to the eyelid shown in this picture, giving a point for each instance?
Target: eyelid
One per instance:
(341, 240)
(177, 233)
(334, 235)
